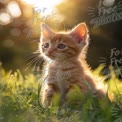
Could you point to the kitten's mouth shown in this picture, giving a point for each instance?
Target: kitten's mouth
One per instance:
(52, 56)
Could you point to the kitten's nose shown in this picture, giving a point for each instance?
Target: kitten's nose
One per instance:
(50, 51)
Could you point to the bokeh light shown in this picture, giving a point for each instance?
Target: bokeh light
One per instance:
(5, 18)
(14, 9)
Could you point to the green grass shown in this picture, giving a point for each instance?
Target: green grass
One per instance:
(19, 102)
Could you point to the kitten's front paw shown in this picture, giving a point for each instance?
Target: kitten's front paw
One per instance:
(49, 93)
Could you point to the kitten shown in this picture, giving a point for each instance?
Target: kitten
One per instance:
(64, 54)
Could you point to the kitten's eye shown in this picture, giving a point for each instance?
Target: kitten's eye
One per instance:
(46, 45)
(61, 46)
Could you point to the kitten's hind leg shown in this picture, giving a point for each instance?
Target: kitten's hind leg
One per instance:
(100, 93)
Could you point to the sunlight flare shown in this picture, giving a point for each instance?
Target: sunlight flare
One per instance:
(41, 5)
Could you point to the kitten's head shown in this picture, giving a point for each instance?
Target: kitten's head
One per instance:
(62, 46)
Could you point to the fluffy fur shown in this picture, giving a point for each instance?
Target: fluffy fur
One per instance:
(65, 66)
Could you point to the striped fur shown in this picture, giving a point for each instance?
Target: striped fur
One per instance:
(65, 67)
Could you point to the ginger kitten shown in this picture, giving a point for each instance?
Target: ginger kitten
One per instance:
(65, 66)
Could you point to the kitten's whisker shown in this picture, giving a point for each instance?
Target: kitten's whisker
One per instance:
(38, 62)
(26, 60)
(30, 58)
(31, 63)
(31, 55)
(37, 52)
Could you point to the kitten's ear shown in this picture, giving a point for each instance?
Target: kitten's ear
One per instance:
(45, 30)
(80, 32)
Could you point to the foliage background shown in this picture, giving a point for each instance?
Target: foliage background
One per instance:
(20, 37)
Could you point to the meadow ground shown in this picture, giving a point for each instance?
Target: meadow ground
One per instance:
(19, 102)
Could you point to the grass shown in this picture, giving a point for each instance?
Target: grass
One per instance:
(19, 102)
